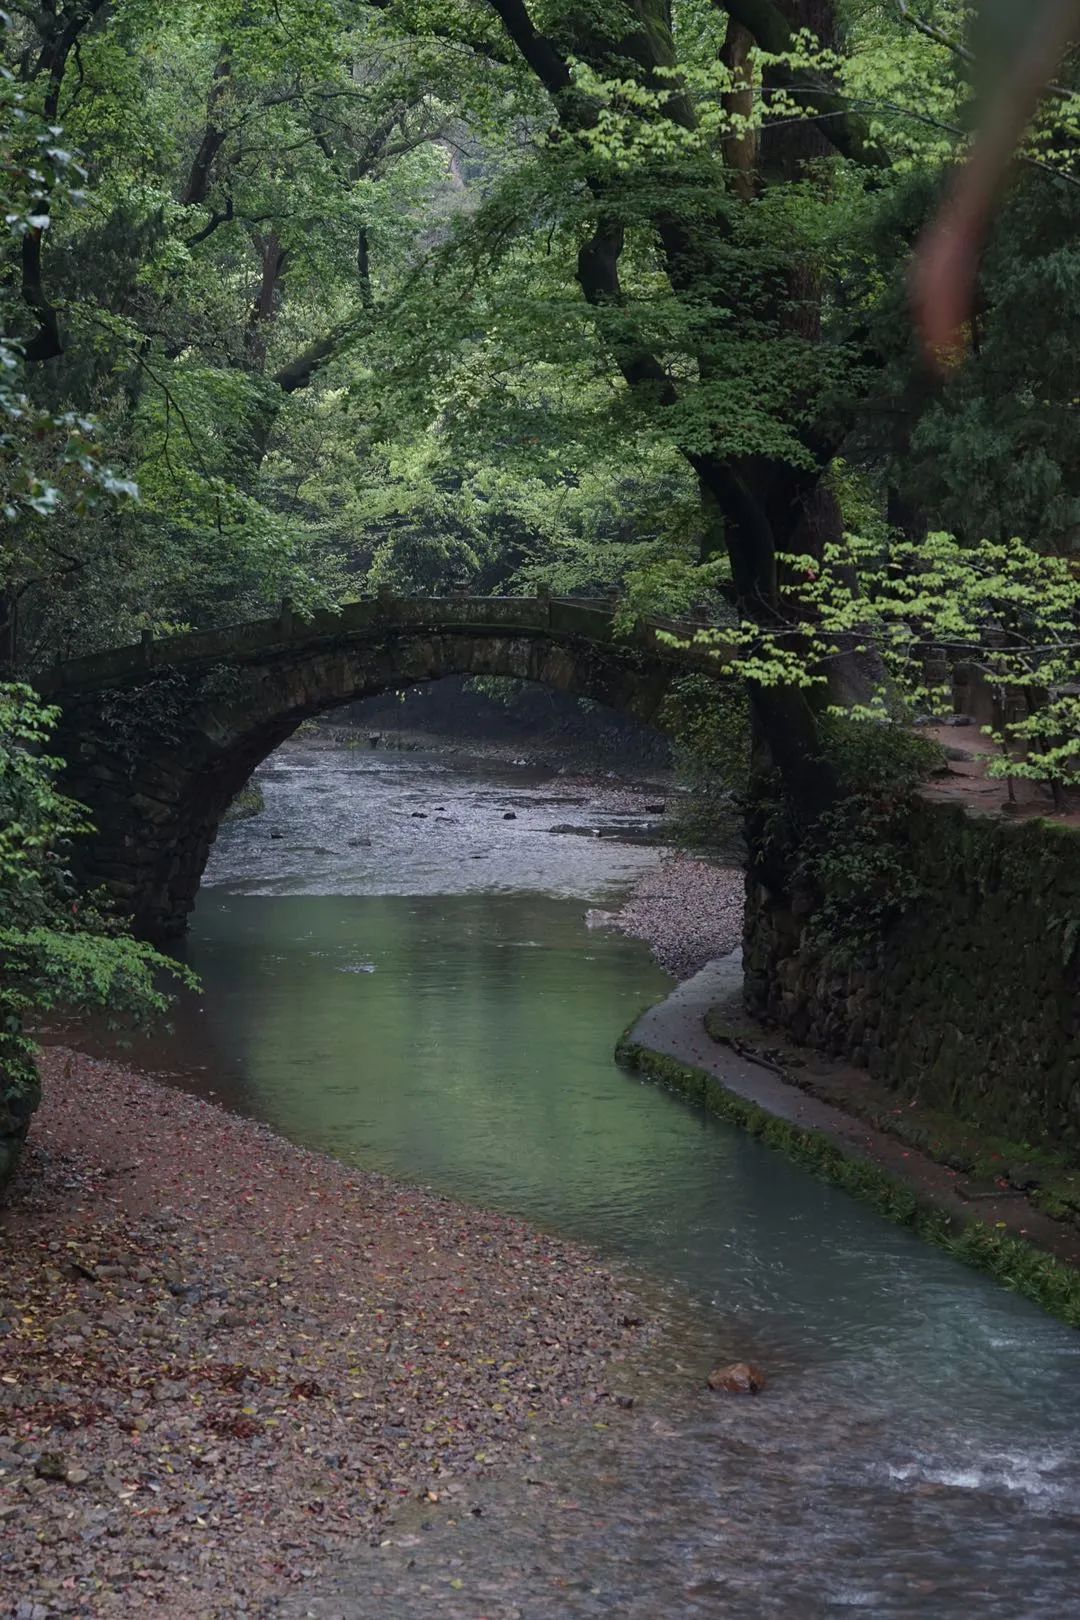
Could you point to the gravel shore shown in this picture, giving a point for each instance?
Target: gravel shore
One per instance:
(224, 1360)
(688, 910)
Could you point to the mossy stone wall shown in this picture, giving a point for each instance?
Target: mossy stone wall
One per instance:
(971, 1001)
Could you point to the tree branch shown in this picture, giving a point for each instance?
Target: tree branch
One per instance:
(215, 135)
(546, 61)
(58, 43)
(845, 132)
(961, 51)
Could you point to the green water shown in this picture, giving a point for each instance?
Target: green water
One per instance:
(916, 1454)
(476, 1055)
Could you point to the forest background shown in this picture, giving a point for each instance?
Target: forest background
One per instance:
(305, 298)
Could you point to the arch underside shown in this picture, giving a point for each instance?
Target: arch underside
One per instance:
(159, 778)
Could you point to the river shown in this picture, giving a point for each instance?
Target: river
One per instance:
(422, 997)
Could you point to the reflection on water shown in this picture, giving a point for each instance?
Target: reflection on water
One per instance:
(916, 1452)
(415, 1036)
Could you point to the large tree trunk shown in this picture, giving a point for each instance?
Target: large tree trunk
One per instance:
(754, 502)
(264, 310)
(740, 149)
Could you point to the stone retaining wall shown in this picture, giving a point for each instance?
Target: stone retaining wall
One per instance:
(970, 1002)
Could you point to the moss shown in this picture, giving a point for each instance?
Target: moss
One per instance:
(976, 983)
(947, 1138)
(249, 802)
(1017, 1265)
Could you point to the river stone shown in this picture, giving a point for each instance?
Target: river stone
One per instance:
(738, 1378)
(51, 1465)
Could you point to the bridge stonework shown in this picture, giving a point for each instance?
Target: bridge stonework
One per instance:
(159, 738)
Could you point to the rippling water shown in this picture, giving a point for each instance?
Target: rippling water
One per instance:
(916, 1452)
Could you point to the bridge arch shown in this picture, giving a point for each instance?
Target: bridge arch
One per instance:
(160, 738)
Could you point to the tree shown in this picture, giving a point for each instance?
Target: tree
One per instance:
(420, 293)
(59, 949)
(705, 294)
(261, 175)
(49, 462)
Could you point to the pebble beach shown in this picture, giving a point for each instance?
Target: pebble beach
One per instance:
(689, 910)
(224, 1359)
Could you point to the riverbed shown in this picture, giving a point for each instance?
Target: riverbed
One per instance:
(448, 1019)
(376, 993)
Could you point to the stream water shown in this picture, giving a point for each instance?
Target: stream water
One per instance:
(421, 996)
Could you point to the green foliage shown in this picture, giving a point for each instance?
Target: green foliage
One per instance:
(502, 689)
(858, 859)
(51, 462)
(248, 803)
(710, 725)
(921, 608)
(59, 949)
(674, 588)
(876, 759)
(1007, 610)
(361, 299)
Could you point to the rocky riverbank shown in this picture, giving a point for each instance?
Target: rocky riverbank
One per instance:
(224, 1359)
(689, 910)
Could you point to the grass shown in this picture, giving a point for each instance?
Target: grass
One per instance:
(1015, 1264)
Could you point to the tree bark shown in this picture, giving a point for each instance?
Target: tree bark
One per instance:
(264, 311)
(740, 150)
(363, 268)
(771, 24)
(9, 631)
(754, 499)
(62, 31)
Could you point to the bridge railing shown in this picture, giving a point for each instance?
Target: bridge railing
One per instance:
(574, 617)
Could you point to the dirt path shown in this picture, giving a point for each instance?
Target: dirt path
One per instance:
(224, 1359)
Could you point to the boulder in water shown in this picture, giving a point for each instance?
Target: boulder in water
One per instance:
(738, 1378)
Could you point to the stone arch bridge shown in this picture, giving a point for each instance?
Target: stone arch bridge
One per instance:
(160, 737)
